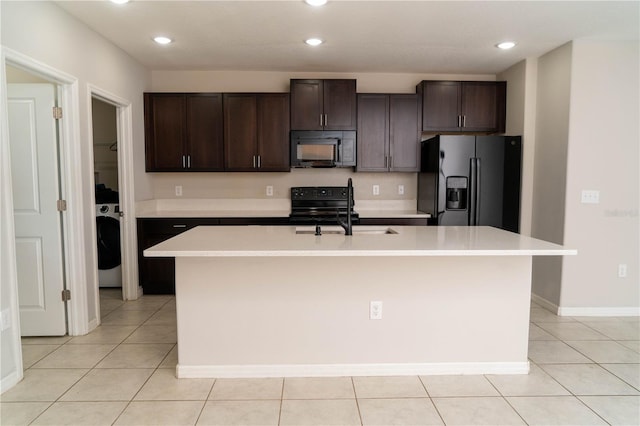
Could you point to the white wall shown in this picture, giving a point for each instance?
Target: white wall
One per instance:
(587, 138)
(603, 155)
(552, 134)
(45, 33)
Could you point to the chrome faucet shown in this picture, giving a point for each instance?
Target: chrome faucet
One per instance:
(348, 227)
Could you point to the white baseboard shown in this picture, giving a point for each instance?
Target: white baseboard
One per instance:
(336, 370)
(549, 306)
(10, 381)
(604, 311)
(93, 324)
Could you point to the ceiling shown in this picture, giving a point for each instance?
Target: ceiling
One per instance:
(361, 36)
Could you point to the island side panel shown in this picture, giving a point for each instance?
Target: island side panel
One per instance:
(275, 311)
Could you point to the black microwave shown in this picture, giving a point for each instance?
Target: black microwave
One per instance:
(323, 148)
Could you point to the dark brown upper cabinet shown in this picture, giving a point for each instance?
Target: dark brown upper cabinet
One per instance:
(463, 106)
(183, 132)
(323, 104)
(388, 133)
(256, 132)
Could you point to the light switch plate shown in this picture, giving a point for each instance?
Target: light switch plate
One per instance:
(400, 189)
(269, 191)
(376, 189)
(178, 190)
(590, 196)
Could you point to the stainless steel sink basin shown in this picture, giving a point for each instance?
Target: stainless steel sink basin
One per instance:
(357, 230)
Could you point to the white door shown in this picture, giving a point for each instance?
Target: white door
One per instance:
(35, 180)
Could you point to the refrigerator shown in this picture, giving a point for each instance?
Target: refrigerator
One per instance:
(471, 180)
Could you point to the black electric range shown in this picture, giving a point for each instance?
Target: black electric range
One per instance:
(320, 204)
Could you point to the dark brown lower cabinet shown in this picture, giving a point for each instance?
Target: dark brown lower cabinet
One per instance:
(157, 274)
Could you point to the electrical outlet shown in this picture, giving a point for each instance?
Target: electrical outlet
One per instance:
(376, 189)
(400, 189)
(269, 191)
(590, 197)
(178, 190)
(375, 310)
(622, 270)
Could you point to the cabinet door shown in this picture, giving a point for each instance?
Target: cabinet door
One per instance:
(157, 274)
(479, 106)
(404, 133)
(204, 132)
(273, 132)
(440, 105)
(306, 104)
(373, 132)
(240, 139)
(164, 131)
(339, 104)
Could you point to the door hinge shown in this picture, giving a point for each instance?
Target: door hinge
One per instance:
(62, 205)
(66, 295)
(57, 113)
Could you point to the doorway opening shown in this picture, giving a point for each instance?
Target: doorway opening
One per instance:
(115, 249)
(106, 186)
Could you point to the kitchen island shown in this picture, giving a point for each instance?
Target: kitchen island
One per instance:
(262, 301)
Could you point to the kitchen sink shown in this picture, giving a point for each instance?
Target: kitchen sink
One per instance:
(357, 230)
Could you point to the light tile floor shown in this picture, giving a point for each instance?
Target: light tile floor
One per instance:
(584, 371)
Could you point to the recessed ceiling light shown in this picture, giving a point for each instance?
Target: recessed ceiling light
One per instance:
(505, 45)
(162, 40)
(316, 2)
(119, 1)
(313, 41)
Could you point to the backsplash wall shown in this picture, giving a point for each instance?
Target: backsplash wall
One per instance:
(253, 185)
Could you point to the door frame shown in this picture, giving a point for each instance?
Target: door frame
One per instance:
(128, 241)
(71, 190)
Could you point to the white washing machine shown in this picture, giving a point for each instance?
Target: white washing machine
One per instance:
(108, 233)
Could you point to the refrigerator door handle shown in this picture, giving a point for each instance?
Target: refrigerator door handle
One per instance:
(477, 192)
(472, 192)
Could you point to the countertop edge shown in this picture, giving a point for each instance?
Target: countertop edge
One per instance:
(359, 253)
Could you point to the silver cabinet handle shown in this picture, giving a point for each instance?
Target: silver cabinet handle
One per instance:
(259, 161)
(385, 161)
(325, 121)
(188, 161)
(253, 161)
(320, 120)
(184, 162)
(179, 226)
(464, 121)
(390, 161)
(459, 121)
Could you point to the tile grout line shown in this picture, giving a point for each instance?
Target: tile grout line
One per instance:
(432, 401)
(281, 401)
(355, 395)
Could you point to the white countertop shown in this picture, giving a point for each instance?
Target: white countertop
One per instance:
(245, 208)
(229, 241)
